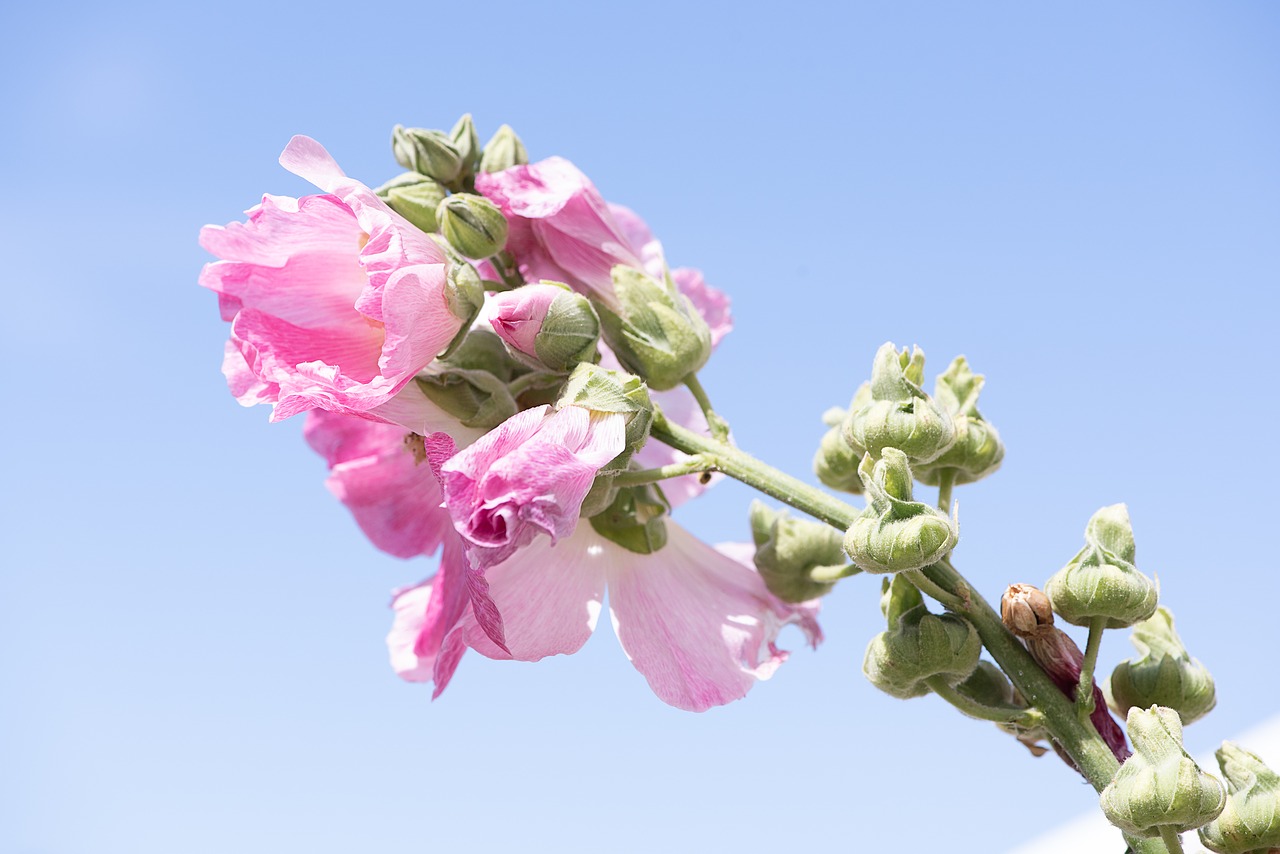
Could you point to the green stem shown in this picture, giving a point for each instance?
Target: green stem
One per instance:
(833, 573)
(746, 468)
(719, 427)
(1084, 693)
(1172, 839)
(693, 465)
(510, 277)
(981, 711)
(946, 480)
(926, 586)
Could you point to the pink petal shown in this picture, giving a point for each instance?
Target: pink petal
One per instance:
(422, 642)
(699, 625)
(308, 159)
(711, 303)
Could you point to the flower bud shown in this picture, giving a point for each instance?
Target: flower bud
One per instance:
(547, 322)
(1026, 611)
(427, 152)
(503, 151)
(978, 450)
(1160, 786)
(635, 519)
(895, 533)
(1251, 820)
(464, 139)
(900, 415)
(788, 550)
(921, 646)
(836, 462)
(415, 197)
(1101, 580)
(988, 685)
(655, 331)
(897, 597)
(602, 390)
(472, 224)
(463, 293)
(1164, 675)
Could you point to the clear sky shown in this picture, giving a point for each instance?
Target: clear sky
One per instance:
(1084, 198)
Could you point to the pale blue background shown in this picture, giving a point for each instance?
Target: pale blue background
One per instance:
(1083, 197)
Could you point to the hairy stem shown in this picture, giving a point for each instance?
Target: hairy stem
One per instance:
(693, 465)
(1172, 840)
(1084, 694)
(974, 709)
(946, 480)
(719, 427)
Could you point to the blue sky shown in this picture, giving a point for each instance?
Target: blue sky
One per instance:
(1083, 198)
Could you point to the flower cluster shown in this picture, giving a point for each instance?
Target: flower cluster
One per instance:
(480, 346)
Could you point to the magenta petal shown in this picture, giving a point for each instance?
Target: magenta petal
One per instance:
(699, 625)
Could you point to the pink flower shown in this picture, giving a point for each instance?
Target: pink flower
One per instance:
(699, 625)
(528, 475)
(335, 301)
(563, 230)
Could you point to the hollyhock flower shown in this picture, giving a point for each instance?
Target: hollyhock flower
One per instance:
(698, 624)
(528, 475)
(335, 301)
(561, 229)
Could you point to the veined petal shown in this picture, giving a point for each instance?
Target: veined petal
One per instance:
(699, 625)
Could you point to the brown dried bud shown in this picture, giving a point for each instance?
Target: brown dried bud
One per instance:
(1026, 611)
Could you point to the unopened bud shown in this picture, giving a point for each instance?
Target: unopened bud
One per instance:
(428, 152)
(978, 450)
(922, 645)
(503, 151)
(788, 550)
(547, 322)
(472, 224)
(415, 197)
(464, 139)
(655, 331)
(1101, 580)
(1164, 675)
(895, 533)
(988, 685)
(897, 597)
(900, 415)
(1251, 820)
(1026, 611)
(836, 462)
(1160, 786)
(635, 519)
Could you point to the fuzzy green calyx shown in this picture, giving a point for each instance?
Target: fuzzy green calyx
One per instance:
(569, 333)
(789, 550)
(919, 647)
(472, 382)
(635, 519)
(427, 152)
(900, 415)
(1250, 822)
(654, 330)
(1160, 786)
(1164, 674)
(1101, 580)
(978, 450)
(602, 390)
(467, 143)
(895, 533)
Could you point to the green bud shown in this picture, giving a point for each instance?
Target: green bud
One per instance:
(1101, 580)
(463, 293)
(428, 152)
(464, 139)
(602, 390)
(472, 224)
(1164, 675)
(836, 462)
(503, 151)
(1160, 786)
(654, 330)
(635, 519)
(788, 550)
(900, 415)
(1251, 820)
(897, 597)
(569, 332)
(921, 646)
(895, 533)
(978, 450)
(415, 197)
(987, 685)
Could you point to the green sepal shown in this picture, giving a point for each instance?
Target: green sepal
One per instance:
(1250, 822)
(415, 197)
(1101, 580)
(1164, 674)
(921, 646)
(895, 533)
(789, 550)
(654, 330)
(977, 451)
(635, 519)
(900, 415)
(503, 151)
